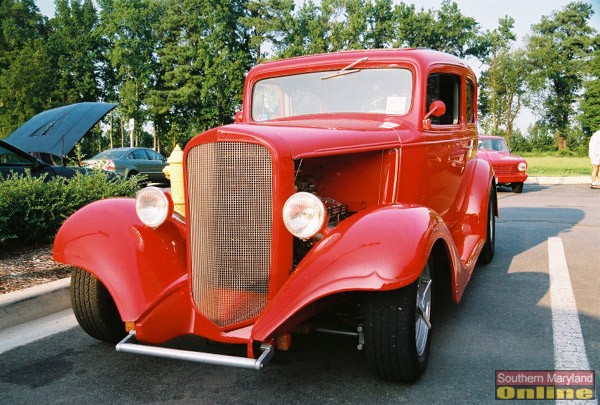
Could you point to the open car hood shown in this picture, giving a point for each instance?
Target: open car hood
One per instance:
(57, 131)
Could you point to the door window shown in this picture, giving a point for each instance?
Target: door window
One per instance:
(139, 154)
(470, 102)
(444, 87)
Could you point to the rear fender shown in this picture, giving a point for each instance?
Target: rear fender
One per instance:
(470, 232)
(138, 265)
(483, 180)
(382, 249)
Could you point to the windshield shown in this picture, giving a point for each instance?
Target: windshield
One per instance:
(9, 157)
(385, 91)
(497, 145)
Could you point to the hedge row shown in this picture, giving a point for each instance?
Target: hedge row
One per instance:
(32, 209)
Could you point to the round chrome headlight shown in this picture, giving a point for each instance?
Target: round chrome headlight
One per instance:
(153, 206)
(522, 166)
(304, 215)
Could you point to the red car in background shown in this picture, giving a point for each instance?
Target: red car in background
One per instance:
(510, 169)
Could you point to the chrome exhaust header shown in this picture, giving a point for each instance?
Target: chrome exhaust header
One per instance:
(198, 357)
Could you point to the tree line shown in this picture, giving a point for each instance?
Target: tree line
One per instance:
(179, 65)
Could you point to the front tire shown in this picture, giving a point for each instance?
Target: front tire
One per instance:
(517, 187)
(398, 330)
(94, 308)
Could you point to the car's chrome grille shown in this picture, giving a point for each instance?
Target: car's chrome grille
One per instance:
(230, 219)
(505, 169)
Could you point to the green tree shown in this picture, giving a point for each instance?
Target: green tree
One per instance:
(359, 24)
(204, 54)
(20, 23)
(24, 86)
(349, 29)
(590, 102)
(269, 24)
(380, 21)
(446, 30)
(22, 75)
(308, 32)
(278, 28)
(503, 84)
(559, 49)
(129, 31)
(74, 45)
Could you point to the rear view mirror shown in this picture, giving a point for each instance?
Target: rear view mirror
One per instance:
(437, 109)
(237, 118)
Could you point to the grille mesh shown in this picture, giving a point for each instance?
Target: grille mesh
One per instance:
(505, 169)
(229, 197)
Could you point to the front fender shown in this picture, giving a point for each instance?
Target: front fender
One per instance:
(382, 249)
(138, 265)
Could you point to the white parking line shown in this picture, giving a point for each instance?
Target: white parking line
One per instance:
(28, 332)
(569, 346)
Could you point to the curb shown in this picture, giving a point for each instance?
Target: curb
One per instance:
(34, 302)
(552, 181)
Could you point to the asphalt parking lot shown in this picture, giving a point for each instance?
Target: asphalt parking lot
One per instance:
(516, 314)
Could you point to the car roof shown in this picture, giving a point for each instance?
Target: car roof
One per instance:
(416, 56)
(122, 150)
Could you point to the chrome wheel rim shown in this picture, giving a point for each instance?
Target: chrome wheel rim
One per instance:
(423, 318)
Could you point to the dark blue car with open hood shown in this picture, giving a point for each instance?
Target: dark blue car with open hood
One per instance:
(52, 133)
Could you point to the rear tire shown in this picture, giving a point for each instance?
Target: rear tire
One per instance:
(94, 308)
(489, 248)
(398, 330)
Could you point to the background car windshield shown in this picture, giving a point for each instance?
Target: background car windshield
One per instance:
(385, 91)
(493, 144)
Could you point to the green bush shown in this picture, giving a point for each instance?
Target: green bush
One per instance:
(32, 209)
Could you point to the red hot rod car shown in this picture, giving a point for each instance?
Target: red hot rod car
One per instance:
(349, 184)
(509, 169)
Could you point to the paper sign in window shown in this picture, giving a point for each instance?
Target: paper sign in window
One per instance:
(395, 105)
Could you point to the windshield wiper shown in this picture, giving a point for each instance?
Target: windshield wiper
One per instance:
(347, 70)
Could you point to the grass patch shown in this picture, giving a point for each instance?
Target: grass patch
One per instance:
(558, 166)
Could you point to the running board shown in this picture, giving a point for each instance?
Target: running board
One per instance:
(198, 357)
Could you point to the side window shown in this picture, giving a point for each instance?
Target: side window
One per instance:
(139, 154)
(153, 155)
(470, 102)
(444, 87)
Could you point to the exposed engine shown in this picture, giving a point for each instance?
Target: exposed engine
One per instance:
(336, 212)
